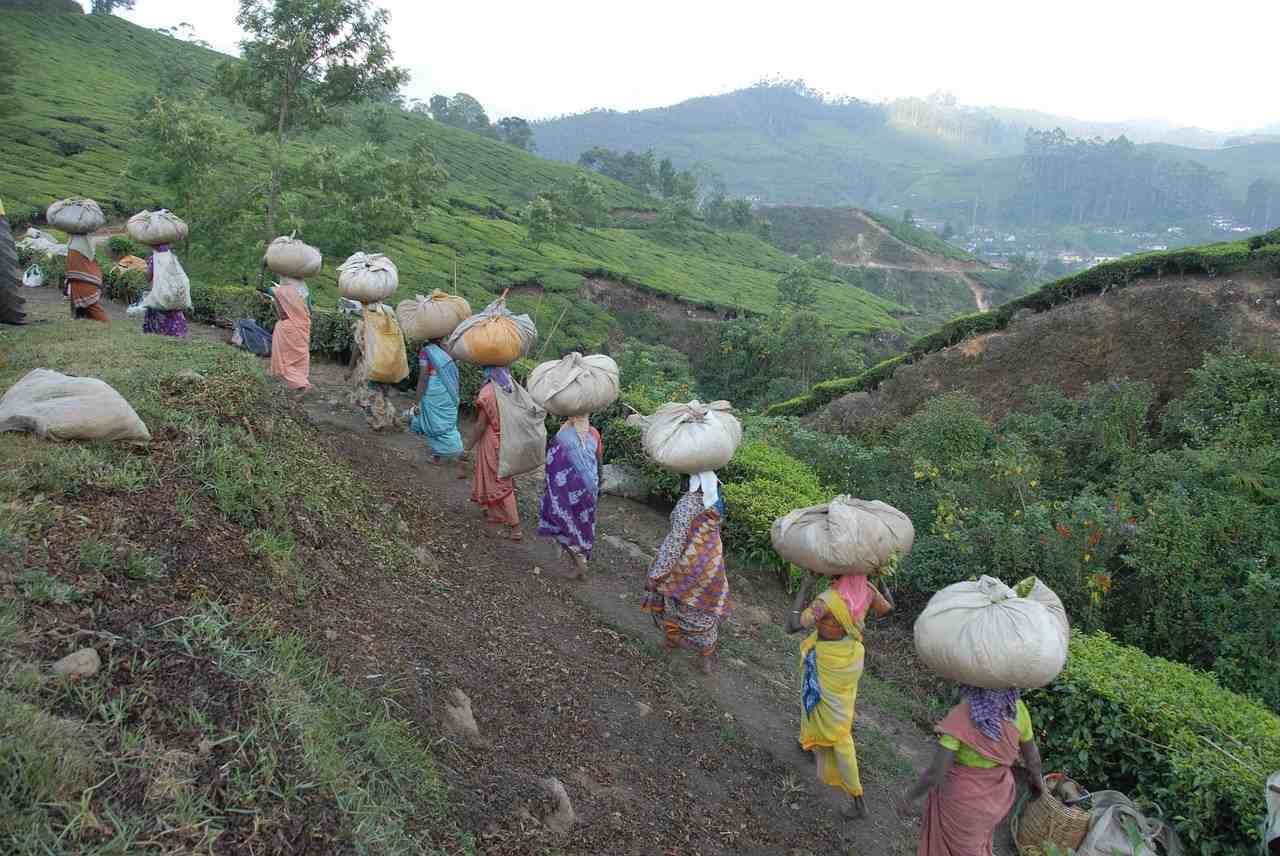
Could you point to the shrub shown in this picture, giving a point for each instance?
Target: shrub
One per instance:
(120, 246)
(760, 485)
(947, 429)
(1163, 733)
(123, 284)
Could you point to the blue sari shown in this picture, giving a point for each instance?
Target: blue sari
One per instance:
(437, 417)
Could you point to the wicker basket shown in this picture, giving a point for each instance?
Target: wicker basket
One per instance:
(1047, 820)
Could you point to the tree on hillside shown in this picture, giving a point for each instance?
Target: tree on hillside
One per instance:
(797, 288)
(634, 169)
(461, 111)
(666, 179)
(586, 197)
(438, 107)
(377, 124)
(109, 7)
(302, 59)
(179, 144)
(542, 222)
(515, 131)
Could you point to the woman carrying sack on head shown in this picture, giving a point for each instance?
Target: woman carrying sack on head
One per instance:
(970, 781)
(831, 661)
(568, 512)
(497, 496)
(439, 392)
(686, 589)
(291, 337)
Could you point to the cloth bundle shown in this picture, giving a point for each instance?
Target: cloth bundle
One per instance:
(984, 635)
(427, 318)
(75, 215)
(575, 385)
(156, 228)
(690, 438)
(287, 256)
(368, 277)
(494, 336)
(53, 405)
(844, 536)
(170, 288)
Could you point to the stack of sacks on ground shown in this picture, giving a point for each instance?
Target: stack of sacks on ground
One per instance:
(844, 536)
(575, 385)
(494, 336)
(170, 288)
(690, 437)
(985, 634)
(434, 317)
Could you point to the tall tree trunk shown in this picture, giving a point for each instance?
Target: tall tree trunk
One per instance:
(273, 200)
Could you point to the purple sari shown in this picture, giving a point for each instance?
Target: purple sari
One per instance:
(569, 504)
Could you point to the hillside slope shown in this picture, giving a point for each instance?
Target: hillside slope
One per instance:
(72, 136)
(1151, 317)
(899, 262)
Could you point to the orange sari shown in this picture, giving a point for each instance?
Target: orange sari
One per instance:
(497, 496)
(84, 279)
(291, 339)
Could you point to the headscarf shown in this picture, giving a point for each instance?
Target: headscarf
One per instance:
(82, 245)
(706, 482)
(500, 376)
(855, 591)
(990, 708)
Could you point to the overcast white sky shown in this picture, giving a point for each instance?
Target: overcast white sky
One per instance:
(1205, 64)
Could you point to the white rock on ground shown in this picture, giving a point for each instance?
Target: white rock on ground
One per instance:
(81, 664)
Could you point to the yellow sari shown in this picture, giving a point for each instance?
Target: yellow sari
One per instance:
(831, 671)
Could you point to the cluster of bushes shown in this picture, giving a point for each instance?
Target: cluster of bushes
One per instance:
(1164, 734)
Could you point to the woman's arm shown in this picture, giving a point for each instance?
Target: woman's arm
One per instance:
(793, 623)
(1035, 773)
(482, 425)
(943, 758)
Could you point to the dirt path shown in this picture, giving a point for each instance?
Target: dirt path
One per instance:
(567, 680)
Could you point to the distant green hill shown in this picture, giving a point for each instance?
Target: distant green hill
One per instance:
(72, 137)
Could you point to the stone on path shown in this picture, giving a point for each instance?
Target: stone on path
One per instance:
(81, 664)
(460, 721)
(561, 818)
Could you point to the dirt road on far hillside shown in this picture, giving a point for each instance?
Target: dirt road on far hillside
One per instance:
(568, 679)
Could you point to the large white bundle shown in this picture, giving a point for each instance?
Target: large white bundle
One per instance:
(575, 385)
(157, 227)
(523, 441)
(692, 438)
(40, 242)
(288, 256)
(368, 277)
(494, 336)
(426, 318)
(76, 215)
(53, 405)
(844, 536)
(170, 288)
(982, 634)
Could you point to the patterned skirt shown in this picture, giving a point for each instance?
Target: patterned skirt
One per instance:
(165, 323)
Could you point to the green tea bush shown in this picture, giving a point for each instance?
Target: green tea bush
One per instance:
(120, 246)
(124, 285)
(760, 485)
(1163, 733)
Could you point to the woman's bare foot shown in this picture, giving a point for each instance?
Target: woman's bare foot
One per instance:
(580, 566)
(856, 810)
(516, 534)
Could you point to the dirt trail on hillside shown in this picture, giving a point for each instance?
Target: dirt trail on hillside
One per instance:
(568, 680)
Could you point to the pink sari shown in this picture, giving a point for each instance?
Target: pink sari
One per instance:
(291, 339)
(961, 815)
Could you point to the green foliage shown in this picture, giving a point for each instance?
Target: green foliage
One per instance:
(120, 246)
(109, 7)
(1160, 732)
(8, 71)
(797, 289)
(461, 111)
(542, 222)
(947, 430)
(515, 131)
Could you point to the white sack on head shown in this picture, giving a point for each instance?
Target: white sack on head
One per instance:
(368, 277)
(434, 317)
(982, 634)
(157, 227)
(575, 385)
(493, 336)
(53, 405)
(523, 436)
(844, 536)
(288, 256)
(692, 438)
(76, 215)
